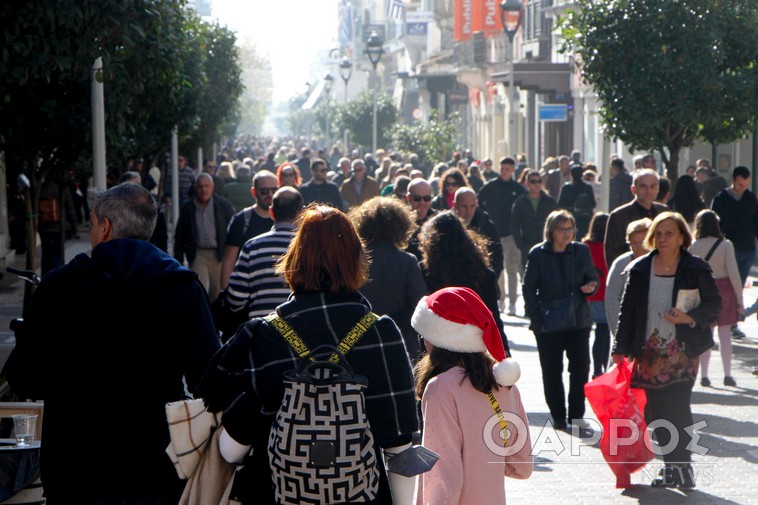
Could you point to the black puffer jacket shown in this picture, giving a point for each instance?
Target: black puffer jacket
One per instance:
(548, 277)
(691, 273)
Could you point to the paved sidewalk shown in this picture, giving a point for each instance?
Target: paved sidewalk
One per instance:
(569, 471)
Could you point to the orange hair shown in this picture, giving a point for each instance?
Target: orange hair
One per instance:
(296, 182)
(326, 254)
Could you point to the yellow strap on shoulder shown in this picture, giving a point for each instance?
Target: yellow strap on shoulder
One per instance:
(500, 417)
(302, 350)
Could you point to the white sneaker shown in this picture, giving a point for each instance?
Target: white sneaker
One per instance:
(512, 309)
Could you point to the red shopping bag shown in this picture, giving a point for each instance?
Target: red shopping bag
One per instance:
(619, 408)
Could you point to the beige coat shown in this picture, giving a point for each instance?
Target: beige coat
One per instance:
(350, 195)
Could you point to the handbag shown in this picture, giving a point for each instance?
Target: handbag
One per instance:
(560, 314)
(190, 426)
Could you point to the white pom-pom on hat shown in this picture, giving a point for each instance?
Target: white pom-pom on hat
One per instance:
(507, 372)
(456, 319)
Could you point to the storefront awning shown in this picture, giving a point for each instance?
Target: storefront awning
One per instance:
(540, 77)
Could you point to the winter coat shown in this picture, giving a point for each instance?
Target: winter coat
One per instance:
(691, 273)
(548, 277)
(528, 226)
(148, 329)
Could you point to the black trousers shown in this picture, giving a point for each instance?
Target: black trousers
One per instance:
(52, 250)
(671, 403)
(551, 346)
(601, 349)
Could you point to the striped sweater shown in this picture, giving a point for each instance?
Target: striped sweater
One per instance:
(254, 284)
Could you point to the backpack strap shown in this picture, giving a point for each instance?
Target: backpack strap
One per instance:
(713, 249)
(301, 349)
(247, 215)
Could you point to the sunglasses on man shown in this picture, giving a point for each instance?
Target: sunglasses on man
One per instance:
(418, 198)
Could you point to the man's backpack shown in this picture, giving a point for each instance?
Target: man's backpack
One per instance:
(584, 203)
(321, 449)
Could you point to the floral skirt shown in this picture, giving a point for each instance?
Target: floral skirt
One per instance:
(663, 363)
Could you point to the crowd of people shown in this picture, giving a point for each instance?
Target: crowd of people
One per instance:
(438, 253)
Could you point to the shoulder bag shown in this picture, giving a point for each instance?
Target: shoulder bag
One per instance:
(560, 314)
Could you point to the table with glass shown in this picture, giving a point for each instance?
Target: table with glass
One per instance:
(19, 467)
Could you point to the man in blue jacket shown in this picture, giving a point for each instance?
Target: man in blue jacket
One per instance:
(110, 339)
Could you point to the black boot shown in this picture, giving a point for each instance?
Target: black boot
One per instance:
(675, 476)
(685, 476)
(667, 477)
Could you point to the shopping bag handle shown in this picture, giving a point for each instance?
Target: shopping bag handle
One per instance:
(625, 375)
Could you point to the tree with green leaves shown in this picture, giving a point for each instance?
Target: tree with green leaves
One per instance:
(669, 72)
(433, 141)
(357, 116)
(162, 66)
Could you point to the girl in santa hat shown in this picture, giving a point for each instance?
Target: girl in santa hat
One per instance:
(472, 412)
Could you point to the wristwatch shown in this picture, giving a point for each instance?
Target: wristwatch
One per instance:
(693, 324)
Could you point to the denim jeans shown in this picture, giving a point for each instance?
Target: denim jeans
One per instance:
(744, 262)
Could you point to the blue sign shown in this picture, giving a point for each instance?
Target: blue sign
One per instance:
(415, 28)
(553, 112)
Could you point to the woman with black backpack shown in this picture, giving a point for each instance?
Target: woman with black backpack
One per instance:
(324, 266)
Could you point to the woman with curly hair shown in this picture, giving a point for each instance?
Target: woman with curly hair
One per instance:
(287, 174)
(395, 283)
(450, 180)
(454, 255)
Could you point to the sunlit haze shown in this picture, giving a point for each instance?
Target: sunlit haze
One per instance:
(291, 33)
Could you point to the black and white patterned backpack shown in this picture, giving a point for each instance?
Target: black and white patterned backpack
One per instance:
(321, 449)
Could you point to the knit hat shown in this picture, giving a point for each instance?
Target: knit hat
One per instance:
(456, 319)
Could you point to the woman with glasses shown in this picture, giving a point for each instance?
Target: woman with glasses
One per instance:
(561, 270)
(529, 214)
(288, 174)
(451, 180)
(670, 302)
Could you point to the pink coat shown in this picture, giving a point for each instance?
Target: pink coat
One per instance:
(456, 422)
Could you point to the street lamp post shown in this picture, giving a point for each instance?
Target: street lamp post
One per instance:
(328, 82)
(346, 70)
(511, 14)
(374, 51)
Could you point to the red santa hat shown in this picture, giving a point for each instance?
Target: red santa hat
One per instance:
(456, 319)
